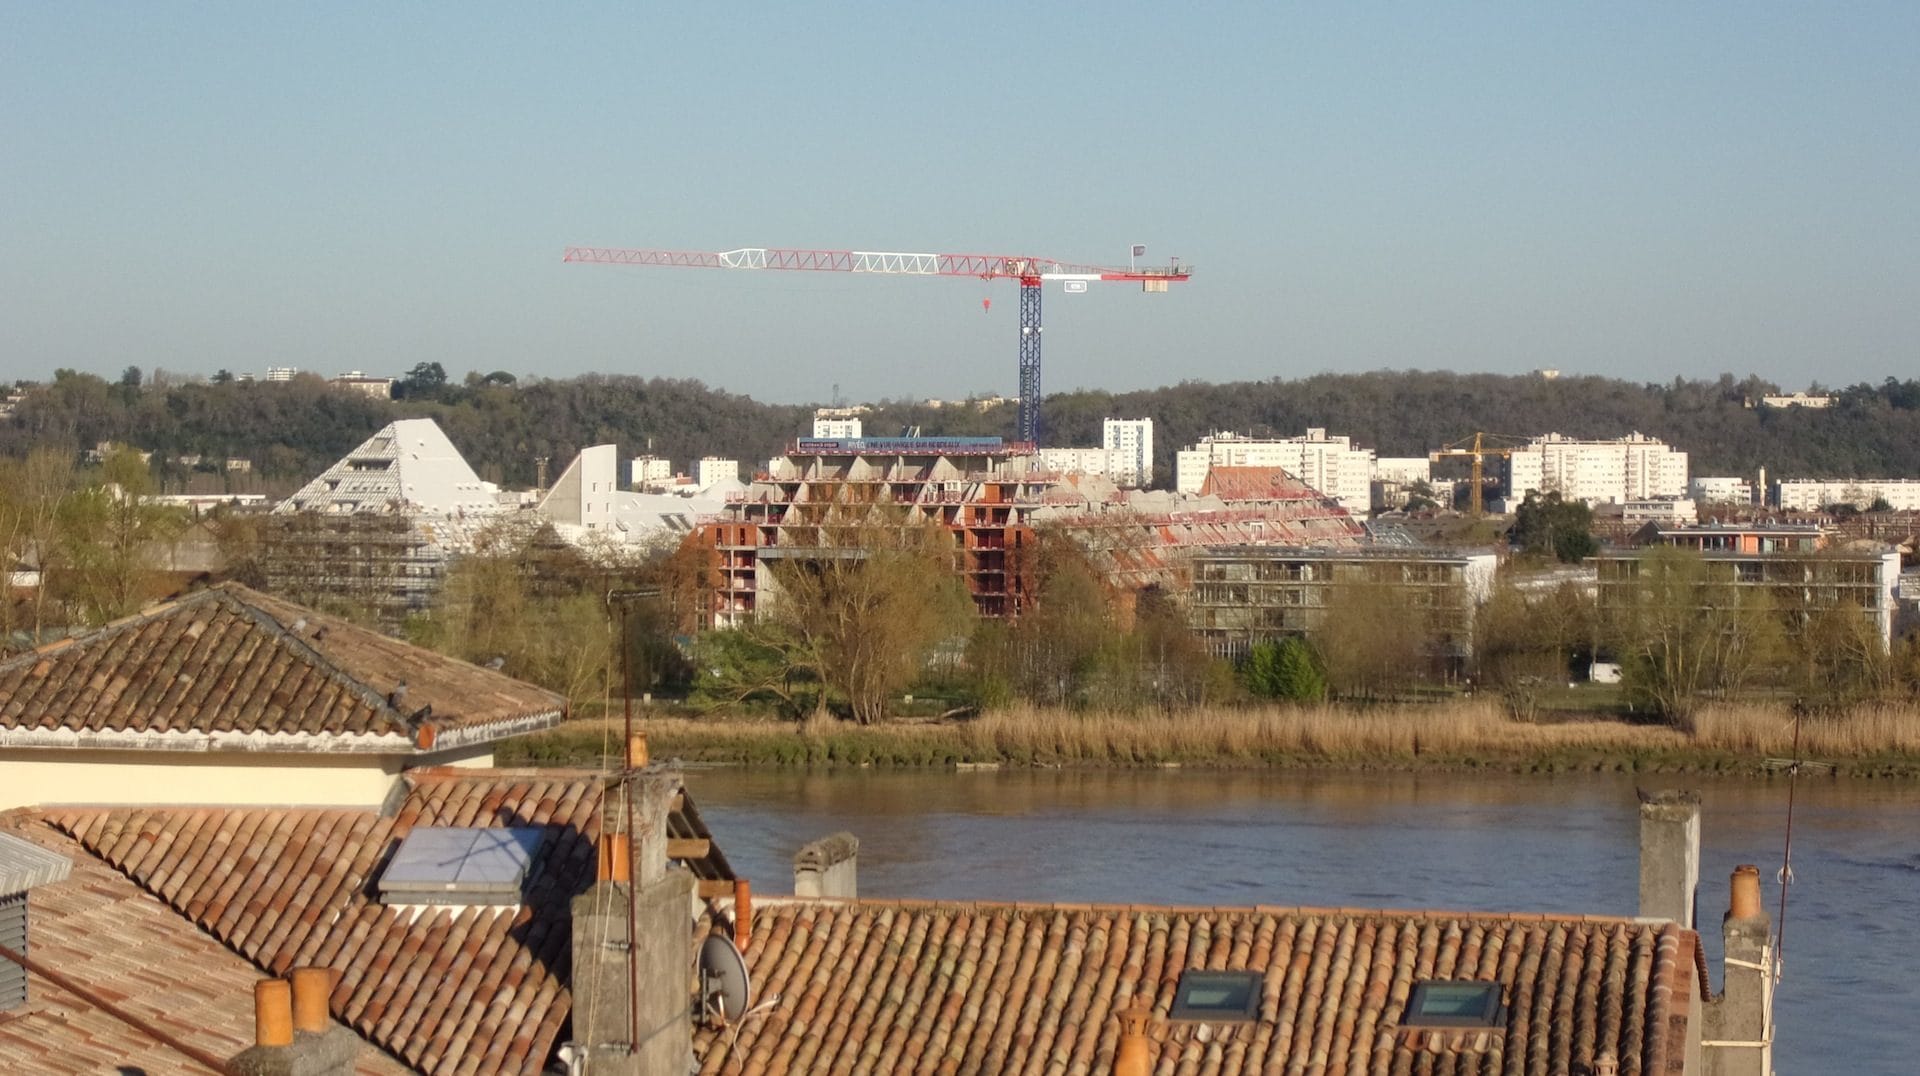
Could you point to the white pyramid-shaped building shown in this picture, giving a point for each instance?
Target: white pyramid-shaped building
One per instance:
(408, 467)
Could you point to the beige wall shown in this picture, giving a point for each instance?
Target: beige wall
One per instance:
(47, 776)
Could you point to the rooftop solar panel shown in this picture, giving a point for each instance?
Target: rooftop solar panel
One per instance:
(460, 865)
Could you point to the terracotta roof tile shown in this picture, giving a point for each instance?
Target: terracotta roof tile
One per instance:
(232, 661)
(102, 931)
(914, 987)
(448, 990)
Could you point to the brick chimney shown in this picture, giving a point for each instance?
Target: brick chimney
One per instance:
(293, 1035)
(619, 1030)
(1670, 856)
(828, 868)
(1739, 1023)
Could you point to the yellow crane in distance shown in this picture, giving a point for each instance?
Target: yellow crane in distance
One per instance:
(1477, 449)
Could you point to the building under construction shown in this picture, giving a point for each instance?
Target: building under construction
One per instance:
(993, 497)
(374, 532)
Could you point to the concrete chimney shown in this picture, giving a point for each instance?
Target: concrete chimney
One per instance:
(1670, 856)
(635, 1019)
(292, 1031)
(828, 868)
(1739, 1023)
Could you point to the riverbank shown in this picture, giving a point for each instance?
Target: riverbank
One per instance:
(1878, 741)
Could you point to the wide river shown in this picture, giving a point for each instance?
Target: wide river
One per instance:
(1851, 981)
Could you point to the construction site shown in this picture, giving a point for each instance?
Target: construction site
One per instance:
(994, 499)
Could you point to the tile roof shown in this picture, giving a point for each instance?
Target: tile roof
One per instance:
(227, 666)
(1255, 484)
(470, 990)
(100, 930)
(976, 988)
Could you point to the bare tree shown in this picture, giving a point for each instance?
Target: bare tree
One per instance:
(868, 603)
(1684, 627)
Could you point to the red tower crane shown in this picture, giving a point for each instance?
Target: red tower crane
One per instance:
(1031, 273)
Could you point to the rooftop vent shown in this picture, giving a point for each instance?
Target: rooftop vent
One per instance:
(460, 865)
(1217, 996)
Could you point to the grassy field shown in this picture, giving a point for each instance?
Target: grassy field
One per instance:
(1466, 735)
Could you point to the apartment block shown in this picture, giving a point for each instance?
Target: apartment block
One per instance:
(1721, 489)
(1129, 445)
(1812, 495)
(1243, 595)
(1635, 467)
(1331, 465)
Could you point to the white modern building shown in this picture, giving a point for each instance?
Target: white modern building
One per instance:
(1125, 456)
(1395, 478)
(1664, 511)
(586, 505)
(1632, 468)
(1129, 444)
(409, 466)
(1812, 495)
(826, 426)
(380, 388)
(1798, 399)
(1331, 465)
(1720, 489)
(711, 473)
(281, 373)
(651, 472)
(1084, 461)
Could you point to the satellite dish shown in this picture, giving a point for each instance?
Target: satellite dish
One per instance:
(725, 990)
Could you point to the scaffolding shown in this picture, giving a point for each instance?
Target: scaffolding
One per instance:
(386, 564)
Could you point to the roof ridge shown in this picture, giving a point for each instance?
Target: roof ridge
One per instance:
(285, 635)
(111, 628)
(1136, 908)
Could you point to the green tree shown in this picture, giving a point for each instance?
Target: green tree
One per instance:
(1549, 526)
(498, 607)
(868, 603)
(1284, 669)
(110, 530)
(426, 381)
(1060, 650)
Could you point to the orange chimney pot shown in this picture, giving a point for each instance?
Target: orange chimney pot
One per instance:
(637, 751)
(616, 858)
(1746, 892)
(272, 1013)
(311, 986)
(742, 913)
(1133, 1059)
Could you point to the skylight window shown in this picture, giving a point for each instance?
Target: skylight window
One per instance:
(460, 865)
(1455, 1004)
(1216, 996)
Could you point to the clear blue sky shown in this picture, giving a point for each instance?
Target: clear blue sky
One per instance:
(1634, 190)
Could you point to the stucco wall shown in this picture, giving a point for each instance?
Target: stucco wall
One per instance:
(47, 776)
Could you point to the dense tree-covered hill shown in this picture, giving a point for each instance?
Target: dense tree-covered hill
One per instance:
(293, 429)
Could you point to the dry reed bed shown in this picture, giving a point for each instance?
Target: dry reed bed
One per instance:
(1467, 733)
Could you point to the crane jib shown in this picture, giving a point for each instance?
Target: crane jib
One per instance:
(1030, 272)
